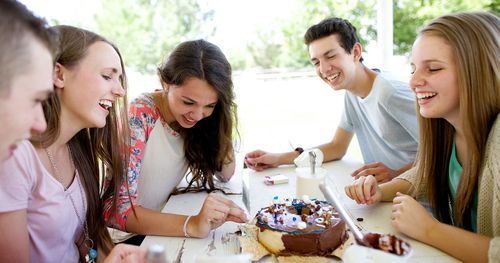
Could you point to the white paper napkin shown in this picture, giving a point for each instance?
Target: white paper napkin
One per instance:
(303, 159)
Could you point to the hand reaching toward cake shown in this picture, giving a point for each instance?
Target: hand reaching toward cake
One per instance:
(364, 190)
(216, 210)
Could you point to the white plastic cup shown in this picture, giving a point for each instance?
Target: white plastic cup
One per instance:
(308, 183)
(156, 254)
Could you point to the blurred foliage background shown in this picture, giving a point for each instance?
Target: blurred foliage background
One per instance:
(154, 27)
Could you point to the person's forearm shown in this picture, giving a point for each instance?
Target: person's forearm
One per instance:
(390, 189)
(227, 171)
(331, 153)
(288, 157)
(451, 240)
(150, 222)
(337, 147)
(14, 245)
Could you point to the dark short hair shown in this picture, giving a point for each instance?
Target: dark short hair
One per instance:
(18, 27)
(345, 31)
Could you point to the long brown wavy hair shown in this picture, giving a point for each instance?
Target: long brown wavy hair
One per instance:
(474, 40)
(209, 144)
(101, 152)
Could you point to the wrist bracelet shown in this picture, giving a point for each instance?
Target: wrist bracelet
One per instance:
(185, 227)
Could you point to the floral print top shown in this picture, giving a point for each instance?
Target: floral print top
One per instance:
(143, 115)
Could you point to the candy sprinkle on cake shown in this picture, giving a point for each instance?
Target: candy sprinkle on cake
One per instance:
(300, 227)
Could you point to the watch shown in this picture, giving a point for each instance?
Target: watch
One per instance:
(300, 150)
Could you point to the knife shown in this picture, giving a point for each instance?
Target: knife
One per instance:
(246, 190)
(332, 198)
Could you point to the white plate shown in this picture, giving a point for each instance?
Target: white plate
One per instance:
(357, 253)
(241, 258)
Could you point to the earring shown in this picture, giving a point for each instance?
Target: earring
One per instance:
(165, 87)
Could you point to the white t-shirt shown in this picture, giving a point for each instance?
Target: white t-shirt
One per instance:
(53, 225)
(384, 122)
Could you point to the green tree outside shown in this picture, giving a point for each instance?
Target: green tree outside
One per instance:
(409, 16)
(147, 30)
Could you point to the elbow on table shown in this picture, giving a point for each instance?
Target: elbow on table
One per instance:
(224, 177)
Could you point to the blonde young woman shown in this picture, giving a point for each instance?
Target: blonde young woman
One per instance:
(50, 186)
(456, 80)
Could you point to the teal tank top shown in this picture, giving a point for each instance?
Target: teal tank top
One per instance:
(454, 175)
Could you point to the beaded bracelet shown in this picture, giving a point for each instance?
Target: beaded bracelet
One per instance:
(185, 227)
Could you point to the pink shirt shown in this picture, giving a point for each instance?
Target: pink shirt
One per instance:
(53, 225)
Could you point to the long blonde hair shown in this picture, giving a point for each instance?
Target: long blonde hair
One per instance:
(474, 40)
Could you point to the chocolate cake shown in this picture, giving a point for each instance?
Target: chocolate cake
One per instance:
(388, 243)
(300, 227)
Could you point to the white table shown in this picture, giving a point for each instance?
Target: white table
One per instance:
(223, 241)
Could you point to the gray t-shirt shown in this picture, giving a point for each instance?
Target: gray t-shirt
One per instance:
(384, 122)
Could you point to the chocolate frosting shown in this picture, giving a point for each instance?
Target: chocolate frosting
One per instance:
(312, 228)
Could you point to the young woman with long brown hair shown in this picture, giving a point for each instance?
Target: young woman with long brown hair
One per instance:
(456, 74)
(186, 129)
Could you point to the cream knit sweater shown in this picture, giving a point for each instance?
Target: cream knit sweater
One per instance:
(488, 207)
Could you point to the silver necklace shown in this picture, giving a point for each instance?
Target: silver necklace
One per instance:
(88, 242)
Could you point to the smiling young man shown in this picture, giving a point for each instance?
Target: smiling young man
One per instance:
(26, 49)
(377, 108)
